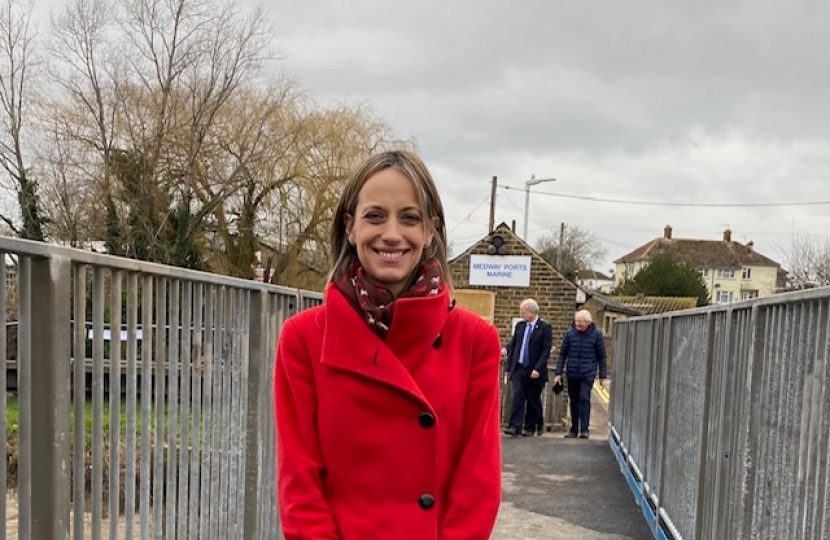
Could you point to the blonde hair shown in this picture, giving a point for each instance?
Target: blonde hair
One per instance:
(411, 166)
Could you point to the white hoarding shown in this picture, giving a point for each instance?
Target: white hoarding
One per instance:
(500, 270)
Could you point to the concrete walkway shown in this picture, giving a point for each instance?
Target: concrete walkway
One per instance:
(567, 489)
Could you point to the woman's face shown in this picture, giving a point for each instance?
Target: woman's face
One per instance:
(388, 229)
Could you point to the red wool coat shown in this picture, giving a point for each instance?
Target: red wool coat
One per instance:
(388, 440)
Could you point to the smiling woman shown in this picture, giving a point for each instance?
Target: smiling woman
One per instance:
(387, 396)
(388, 229)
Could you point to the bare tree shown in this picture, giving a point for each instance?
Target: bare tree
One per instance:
(18, 65)
(571, 249)
(808, 261)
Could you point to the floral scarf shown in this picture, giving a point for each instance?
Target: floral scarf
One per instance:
(376, 303)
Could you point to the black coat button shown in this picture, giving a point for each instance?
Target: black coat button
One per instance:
(426, 501)
(427, 420)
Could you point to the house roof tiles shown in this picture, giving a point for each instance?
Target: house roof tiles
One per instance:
(701, 253)
(650, 305)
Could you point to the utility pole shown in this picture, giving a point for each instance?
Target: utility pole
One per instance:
(559, 251)
(493, 205)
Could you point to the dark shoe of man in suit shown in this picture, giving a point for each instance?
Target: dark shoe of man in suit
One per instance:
(570, 435)
(527, 433)
(511, 432)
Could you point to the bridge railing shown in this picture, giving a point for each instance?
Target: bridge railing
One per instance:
(167, 430)
(721, 418)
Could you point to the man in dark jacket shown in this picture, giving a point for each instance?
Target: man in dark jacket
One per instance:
(583, 349)
(527, 358)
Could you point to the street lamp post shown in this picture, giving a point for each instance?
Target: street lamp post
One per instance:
(532, 182)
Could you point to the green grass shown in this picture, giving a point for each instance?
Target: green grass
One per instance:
(13, 414)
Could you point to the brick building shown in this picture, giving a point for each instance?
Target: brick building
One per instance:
(558, 297)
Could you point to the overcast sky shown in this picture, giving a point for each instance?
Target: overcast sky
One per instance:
(707, 102)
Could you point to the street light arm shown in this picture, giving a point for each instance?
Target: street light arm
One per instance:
(536, 181)
(532, 182)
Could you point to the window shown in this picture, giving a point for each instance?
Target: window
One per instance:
(609, 324)
(724, 297)
(726, 273)
(704, 272)
(629, 269)
(749, 295)
(747, 273)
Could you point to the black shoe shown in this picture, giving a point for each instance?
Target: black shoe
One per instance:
(511, 432)
(539, 432)
(570, 435)
(527, 433)
(583, 435)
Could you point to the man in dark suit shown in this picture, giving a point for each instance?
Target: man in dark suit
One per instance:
(527, 366)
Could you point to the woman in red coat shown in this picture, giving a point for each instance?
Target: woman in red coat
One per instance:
(387, 396)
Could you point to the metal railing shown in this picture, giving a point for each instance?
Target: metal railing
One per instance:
(185, 449)
(721, 418)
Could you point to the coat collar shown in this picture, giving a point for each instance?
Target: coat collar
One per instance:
(350, 345)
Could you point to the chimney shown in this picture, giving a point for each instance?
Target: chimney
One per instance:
(750, 246)
(727, 235)
(667, 232)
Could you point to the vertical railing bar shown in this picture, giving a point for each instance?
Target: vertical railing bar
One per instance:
(236, 432)
(146, 401)
(132, 396)
(173, 406)
(197, 339)
(254, 370)
(220, 430)
(700, 504)
(207, 493)
(114, 392)
(812, 435)
(97, 400)
(160, 400)
(270, 521)
(755, 387)
(245, 389)
(184, 452)
(79, 401)
(50, 309)
(776, 483)
(24, 396)
(729, 373)
(666, 396)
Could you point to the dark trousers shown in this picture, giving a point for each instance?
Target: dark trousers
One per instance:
(526, 409)
(579, 395)
(534, 417)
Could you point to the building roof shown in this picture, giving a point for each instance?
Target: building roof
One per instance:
(650, 305)
(504, 230)
(609, 304)
(592, 274)
(724, 253)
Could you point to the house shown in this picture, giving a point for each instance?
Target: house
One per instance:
(595, 281)
(732, 271)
